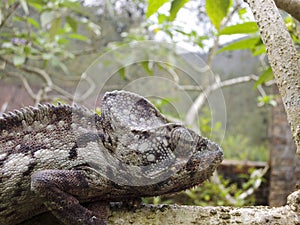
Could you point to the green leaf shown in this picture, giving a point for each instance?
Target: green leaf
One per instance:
(266, 100)
(216, 11)
(19, 60)
(265, 77)
(162, 18)
(61, 40)
(175, 6)
(74, 6)
(248, 43)
(122, 73)
(154, 5)
(55, 26)
(259, 49)
(27, 49)
(243, 28)
(33, 22)
(73, 23)
(37, 5)
(78, 37)
(147, 66)
(242, 12)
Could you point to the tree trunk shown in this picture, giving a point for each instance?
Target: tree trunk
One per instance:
(292, 7)
(284, 175)
(283, 58)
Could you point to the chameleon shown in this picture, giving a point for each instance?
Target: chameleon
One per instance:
(58, 158)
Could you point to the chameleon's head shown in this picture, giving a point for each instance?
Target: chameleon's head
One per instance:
(151, 149)
(197, 158)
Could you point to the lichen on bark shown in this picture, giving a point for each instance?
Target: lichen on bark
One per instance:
(283, 57)
(196, 215)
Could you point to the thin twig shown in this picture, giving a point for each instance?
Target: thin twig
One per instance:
(10, 11)
(200, 100)
(41, 73)
(3, 108)
(89, 91)
(25, 84)
(62, 92)
(41, 95)
(85, 52)
(170, 70)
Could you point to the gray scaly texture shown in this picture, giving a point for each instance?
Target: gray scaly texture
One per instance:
(59, 158)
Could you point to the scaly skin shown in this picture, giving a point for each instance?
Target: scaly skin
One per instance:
(57, 158)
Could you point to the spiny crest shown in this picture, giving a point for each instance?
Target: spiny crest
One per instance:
(43, 114)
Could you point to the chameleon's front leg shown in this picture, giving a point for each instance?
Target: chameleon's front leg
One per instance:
(55, 186)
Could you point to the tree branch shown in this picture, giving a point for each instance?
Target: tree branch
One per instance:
(10, 11)
(292, 7)
(25, 84)
(174, 214)
(283, 58)
(178, 214)
(200, 100)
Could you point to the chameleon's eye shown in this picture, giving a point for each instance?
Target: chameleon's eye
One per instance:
(183, 142)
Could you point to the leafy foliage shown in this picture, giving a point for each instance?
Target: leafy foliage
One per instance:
(42, 30)
(247, 43)
(264, 77)
(267, 100)
(293, 28)
(210, 194)
(220, 14)
(217, 10)
(243, 28)
(176, 5)
(237, 146)
(154, 6)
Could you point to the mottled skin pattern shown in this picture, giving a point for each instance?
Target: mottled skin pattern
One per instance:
(59, 158)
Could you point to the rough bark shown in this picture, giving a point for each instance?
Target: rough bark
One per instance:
(175, 214)
(283, 58)
(292, 7)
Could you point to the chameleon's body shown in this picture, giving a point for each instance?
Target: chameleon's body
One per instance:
(56, 158)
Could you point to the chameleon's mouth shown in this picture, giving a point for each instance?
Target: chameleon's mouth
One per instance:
(188, 147)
